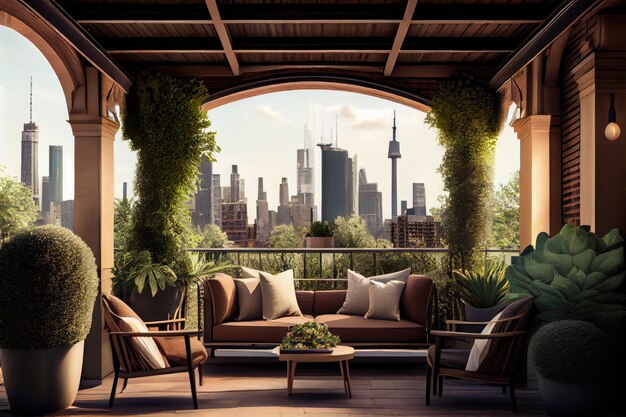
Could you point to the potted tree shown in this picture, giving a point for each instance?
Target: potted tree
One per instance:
(320, 235)
(484, 293)
(572, 359)
(48, 286)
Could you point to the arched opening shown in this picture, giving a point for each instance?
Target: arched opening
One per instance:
(289, 82)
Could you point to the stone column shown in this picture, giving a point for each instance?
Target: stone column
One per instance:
(534, 135)
(93, 222)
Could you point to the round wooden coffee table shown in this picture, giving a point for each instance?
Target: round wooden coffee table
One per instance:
(341, 354)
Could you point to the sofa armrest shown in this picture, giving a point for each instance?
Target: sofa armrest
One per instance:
(220, 297)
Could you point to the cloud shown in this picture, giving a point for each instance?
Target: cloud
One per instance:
(371, 124)
(269, 114)
(364, 119)
(347, 111)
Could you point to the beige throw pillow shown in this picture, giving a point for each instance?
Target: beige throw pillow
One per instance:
(384, 300)
(249, 298)
(481, 347)
(145, 347)
(249, 273)
(279, 295)
(357, 297)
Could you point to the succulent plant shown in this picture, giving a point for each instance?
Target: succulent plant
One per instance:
(309, 335)
(574, 275)
(572, 351)
(485, 288)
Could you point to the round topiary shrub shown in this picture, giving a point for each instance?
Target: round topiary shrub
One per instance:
(572, 351)
(48, 284)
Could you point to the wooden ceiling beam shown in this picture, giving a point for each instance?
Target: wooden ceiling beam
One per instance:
(268, 13)
(373, 45)
(403, 29)
(224, 35)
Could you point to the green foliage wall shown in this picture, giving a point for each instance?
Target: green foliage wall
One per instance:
(164, 123)
(466, 113)
(17, 208)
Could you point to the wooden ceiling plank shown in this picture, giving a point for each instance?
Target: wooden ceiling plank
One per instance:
(222, 33)
(403, 28)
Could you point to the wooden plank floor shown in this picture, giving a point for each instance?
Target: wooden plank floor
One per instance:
(232, 388)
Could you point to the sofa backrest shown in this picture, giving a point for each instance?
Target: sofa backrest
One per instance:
(328, 302)
(305, 301)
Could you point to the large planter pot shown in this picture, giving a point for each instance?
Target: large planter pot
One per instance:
(566, 399)
(42, 381)
(160, 307)
(480, 314)
(320, 242)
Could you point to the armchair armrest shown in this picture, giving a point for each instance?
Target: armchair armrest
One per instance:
(164, 333)
(465, 335)
(149, 323)
(457, 322)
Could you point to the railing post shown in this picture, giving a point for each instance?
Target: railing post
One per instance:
(304, 264)
(238, 258)
(375, 264)
(352, 260)
(321, 266)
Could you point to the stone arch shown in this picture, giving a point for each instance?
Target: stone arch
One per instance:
(63, 59)
(288, 82)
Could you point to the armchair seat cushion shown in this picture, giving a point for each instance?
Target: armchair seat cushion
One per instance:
(257, 331)
(358, 329)
(450, 358)
(173, 349)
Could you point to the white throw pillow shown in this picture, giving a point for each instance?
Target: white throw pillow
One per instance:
(146, 347)
(249, 298)
(279, 295)
(481, 347)
(384, 300)
(357, 297)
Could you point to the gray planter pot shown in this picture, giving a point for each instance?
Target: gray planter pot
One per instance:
(42, 381)
(480, 314)
(566, 399)
(160, 307)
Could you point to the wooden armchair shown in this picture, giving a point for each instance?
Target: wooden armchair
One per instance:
(181, 350)
(499, 365)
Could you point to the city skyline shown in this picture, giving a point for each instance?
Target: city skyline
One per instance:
(261, 134)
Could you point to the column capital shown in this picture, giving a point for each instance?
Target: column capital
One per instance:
(524, 127)
(89, 125)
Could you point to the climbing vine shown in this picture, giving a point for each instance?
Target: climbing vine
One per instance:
(166, 126)
(466, 114)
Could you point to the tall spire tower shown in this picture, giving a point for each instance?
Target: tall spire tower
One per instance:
(394, 155)
(30, 150)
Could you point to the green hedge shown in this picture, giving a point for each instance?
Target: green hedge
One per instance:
(48, 285)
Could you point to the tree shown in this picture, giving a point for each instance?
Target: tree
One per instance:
(287, 236)
(352, 233)
(17, 208)
(213, 237)
(122, 223)
(506, 215)
(465, 113)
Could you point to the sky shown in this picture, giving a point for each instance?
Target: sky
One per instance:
(259, 134)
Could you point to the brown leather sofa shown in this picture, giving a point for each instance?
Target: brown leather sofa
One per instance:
(221, 330)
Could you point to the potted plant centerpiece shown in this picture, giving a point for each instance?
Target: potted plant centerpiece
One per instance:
(48, 287)
(572, 360)
(320, 235)
(309, 337)
(484, 293)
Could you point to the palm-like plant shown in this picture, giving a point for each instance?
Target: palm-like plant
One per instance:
(199, 268)
(134, 270)
(485, 288)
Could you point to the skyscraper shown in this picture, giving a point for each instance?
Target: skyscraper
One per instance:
(419, 198)
(262, 213)
(354, 186)
(234, 185)
(30, 152)
(262, 195)
(204, 213)
(305, 170)
(394, 155)
(370, 204)
(336, 182)
(45, 196)
(56, 173)
(283, 206)
(217, 199)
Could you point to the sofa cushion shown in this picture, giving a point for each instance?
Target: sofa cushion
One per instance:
(223, 297)
(257, 331)
(328, 301)
(357, 298)
(249, 298)
(173, 347)
(352, 329)
(306, 299)
(415, 299)
(450, 358)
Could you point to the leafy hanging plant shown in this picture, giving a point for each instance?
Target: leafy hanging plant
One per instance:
(135, 270)
(574, 275)
(466, 114)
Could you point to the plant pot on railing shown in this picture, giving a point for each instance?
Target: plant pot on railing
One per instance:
(320, 236)
(319, 242)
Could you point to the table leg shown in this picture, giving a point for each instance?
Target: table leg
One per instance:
(347, 376)
(343, 376)
(291, 373)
